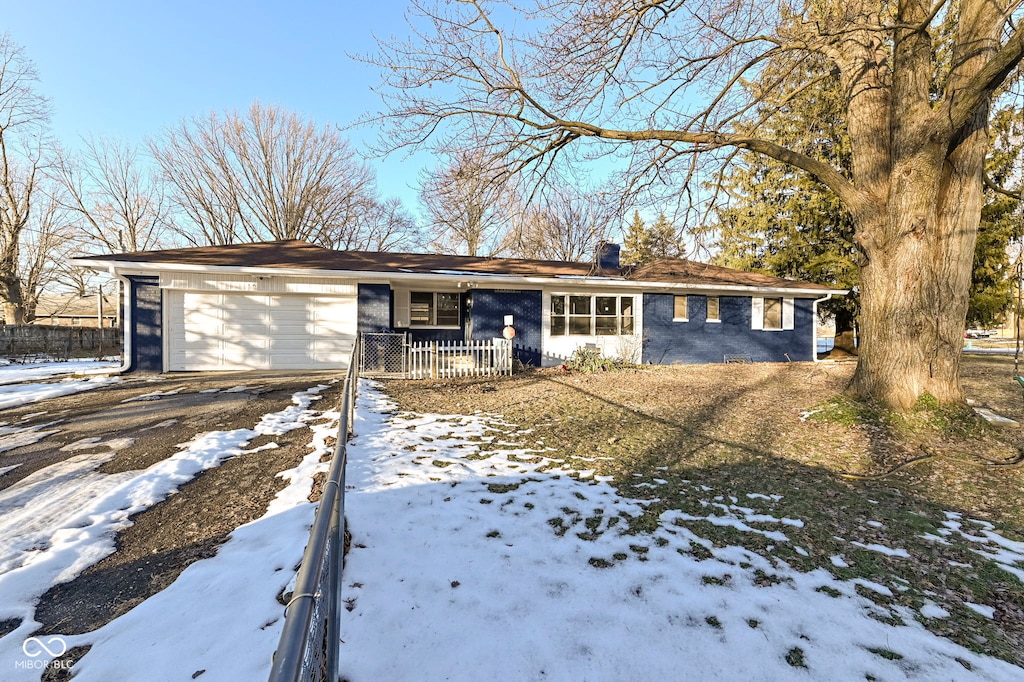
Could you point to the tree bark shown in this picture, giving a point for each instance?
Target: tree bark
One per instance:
(915, 285)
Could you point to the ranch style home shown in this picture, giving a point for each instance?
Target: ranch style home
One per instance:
(293, 305)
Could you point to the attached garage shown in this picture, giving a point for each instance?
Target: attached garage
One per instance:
(233, 330)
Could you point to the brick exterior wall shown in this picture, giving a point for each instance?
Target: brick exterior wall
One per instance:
(489, 308)
(147, 351)
(374, 308)
(668, 342)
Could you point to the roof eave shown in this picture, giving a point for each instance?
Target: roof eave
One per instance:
(512, 281)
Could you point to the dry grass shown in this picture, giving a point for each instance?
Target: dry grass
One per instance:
(743, 429)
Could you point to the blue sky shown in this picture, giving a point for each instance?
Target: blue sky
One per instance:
(130, 69)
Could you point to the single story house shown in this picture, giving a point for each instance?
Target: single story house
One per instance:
(293, 305)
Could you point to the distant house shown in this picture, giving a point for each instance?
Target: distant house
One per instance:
(72, 310)
(293, 305)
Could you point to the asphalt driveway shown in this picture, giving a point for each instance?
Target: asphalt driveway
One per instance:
(148, 415)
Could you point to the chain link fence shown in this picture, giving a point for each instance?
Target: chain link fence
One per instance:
(383, 354)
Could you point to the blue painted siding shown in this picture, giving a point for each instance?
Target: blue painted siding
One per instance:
(489, 308)
(374, 308)
(668, 342)
(147, 346)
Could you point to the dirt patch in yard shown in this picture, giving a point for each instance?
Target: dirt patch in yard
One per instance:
(783, 439)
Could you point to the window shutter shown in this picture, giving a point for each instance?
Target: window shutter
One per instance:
(402, 313)
(756, 313)
(787, 313)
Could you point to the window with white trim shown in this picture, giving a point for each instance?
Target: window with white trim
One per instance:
(680, 308)
(713, 314)
(433, 309)
(771, 314)
(583, 315)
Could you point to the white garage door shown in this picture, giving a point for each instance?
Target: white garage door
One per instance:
(215, 331)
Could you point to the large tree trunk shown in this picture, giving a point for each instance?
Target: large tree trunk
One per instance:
(919, 248)
(14, 310)
(916, 282)
(10, 286)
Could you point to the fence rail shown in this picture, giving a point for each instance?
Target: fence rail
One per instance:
(30, 341)
(444, 359)
(308, 648)
(392, 354)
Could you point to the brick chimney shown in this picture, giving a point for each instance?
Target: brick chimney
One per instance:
(608, 256)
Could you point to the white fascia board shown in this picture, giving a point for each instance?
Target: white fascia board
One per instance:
(485, 279)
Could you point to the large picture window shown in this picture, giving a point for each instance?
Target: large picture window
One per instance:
(591, 315)
(433, 309)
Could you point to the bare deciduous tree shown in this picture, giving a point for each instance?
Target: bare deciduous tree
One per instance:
(266, 175)
(49, 239)
(663, 79)
(388, 226)
(24, 114)
(468, 210)
(121, 205)
(565, 225)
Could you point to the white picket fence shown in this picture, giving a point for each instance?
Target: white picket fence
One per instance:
(446, 359)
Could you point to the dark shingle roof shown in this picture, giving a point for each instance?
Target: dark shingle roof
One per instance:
(299, 254)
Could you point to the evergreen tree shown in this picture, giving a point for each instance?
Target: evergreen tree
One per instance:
(786, 223)
(643, 244)
(992, 289)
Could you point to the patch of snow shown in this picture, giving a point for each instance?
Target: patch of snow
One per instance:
(15, 437)
(162, 425)
(14, 373)
(981, 609)
(154, 395)
(838, 561)
(4, 470)
(936, 538)
(13, 395)
(873, 586)
(882, 549)
(932, 610)
(993, 418)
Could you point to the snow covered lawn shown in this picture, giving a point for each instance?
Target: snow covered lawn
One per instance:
(479, 553)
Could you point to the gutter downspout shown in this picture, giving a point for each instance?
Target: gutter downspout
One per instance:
(126, 320)
(126, 323)
(814, 336)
